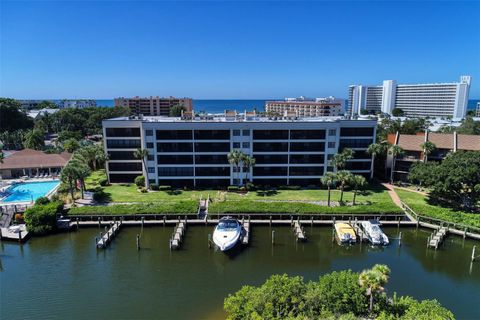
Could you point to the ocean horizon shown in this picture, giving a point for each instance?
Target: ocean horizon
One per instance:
(219, 105)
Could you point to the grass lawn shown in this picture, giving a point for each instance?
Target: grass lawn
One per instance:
(373, 200)
(179, 207)
(419, 204)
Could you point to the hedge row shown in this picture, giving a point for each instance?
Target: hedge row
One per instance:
(247, 206)
(179, 207)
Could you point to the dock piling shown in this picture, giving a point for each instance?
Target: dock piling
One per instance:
(473, 253)
(138, 241)
(400, 239)
(273, 237)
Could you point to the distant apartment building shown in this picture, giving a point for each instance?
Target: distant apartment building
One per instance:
(415, 100)
(192, 151)
(66, 103)
(304, 107)
(413, 152)
(153, 106)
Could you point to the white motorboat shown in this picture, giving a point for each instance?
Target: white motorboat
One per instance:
(227, 233)
(374, 233)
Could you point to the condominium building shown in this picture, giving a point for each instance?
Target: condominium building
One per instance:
(66, 103)
(153, 106)
(413, 152)
(193, 151)
(415, 100)
(302, 107)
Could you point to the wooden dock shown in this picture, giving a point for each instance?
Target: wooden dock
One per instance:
(435, 240)
(246, 228)
(108, 236)
(177, 235)
(299, 231)
(15, 233)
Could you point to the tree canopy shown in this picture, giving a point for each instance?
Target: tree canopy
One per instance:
(455, 181)
(337, 295)
(12, 117)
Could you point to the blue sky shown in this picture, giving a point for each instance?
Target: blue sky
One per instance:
(104, 49)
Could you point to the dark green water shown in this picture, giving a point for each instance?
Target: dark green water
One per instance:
(65, 277)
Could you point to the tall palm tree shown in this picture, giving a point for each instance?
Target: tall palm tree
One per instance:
(375, 150)
(428, 147)
(34, 139)
(69, 175)
(344, 178)
(394, 151)
(143, 154)
(82, 170)
(358, 183)
(339, 160)
(248, 162)
(329, 180)
(374, 280)
(235, 158)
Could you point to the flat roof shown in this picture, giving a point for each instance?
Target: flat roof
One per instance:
(238, 119)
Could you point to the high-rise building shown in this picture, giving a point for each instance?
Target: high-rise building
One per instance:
(192, 151)
(153, 106)
(415, 100)
(303, 107)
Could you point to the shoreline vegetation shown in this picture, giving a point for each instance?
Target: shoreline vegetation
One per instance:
(336, 295)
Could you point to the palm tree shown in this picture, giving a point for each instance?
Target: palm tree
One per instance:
(394, 151)
(339, 160)
(344, 177)
(358, 182)
(81, 168)
(69, 175)
(428, 147)
(329, 180)
(248, 162)
(1, 157)
(142, 154)
(373, 281)
(235, 157)
(375, 150)
(34, 139)
(94, 155)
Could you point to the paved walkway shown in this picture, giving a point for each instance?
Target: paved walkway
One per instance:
(393, 194)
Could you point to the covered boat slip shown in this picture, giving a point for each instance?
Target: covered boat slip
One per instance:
(347, 232)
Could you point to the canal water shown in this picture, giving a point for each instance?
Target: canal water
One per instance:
(64, 277)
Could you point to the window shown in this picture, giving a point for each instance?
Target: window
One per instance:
(307, 146)
(125, 166)
(150, 145)
(270, 158)
(123, 143)
(246, 133)
(246, 145)
(355, 143)
(149, 133)
(151, 157)
(212, 171)
(331, 144)
(174, 147)
(211, 159)
(235, 169)
(236, 145)
(353, 132)
(332, 132)
(330, 157)
(270, 134)
(179, 171)
(174, 134)
(212, 147)
(212, 134)
(175, 159)
(151, 170)
(121, 155)
(236, 132)
(123, 132)
(307, 134)
(269, 171)
(270, 146)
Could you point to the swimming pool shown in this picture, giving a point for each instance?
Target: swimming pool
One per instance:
(29, 191)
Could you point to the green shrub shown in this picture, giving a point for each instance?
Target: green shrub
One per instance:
(143, 190)
(154, 186)
(140, 181)
(42, 200)
(103, 182)
(232, 188)
(164, 188)
(42, 219)
(178, 207)
(250, 186)
(289, 187)
(99, 195)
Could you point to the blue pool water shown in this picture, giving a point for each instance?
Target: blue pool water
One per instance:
(29, 191)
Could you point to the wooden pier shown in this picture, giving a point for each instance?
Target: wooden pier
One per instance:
(437, 238)
(108, 236)
(246, 228)
(177, 235)
(299, 231)
(14, 233)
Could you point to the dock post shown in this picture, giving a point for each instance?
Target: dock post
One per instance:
(99, 223)
(270, 221)
(164, 218)
(333, 235)
(400, 239)
(311, 221)
(464, 233)
(138, 242)
(96, 241)
(77, 224)
(398, 222)
(291, 220)
(143, 220)
(473, 253)
(209, 241)
(273, 237)
(20, 236)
